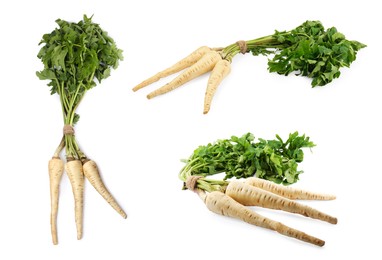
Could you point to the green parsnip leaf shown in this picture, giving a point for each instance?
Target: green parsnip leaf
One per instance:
(242, 157)
(76, 56)
(311, 51)
(308, 50)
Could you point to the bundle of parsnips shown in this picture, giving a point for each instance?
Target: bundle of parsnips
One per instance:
(75, 57)
(308, 50)
(263, 165)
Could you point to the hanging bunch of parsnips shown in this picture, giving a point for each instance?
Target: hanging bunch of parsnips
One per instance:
(263, 165)
(75, 57)
(308, 50)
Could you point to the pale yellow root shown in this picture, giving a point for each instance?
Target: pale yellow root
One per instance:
(222, 204)
(55, 168)
(76, 177)
(220, 71)
(92, 174)
(180, 65)
(204, 65)
(286, 191)
(252, 196)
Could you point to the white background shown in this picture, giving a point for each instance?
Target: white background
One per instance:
(138, 143)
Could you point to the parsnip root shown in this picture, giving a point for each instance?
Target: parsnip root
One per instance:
(55, 169)
(219, 72)
(253, 196)
(92, 175)
(76, 176)
(287, 191)
(204, 65)
(180, 65)
(223, 204)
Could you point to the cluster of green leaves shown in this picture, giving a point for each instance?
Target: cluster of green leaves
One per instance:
(242, 157)
(314, 52)
(75, 55)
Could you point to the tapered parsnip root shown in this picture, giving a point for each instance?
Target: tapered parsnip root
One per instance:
(286, 191)
(204, 65)
(92, 174)
(220, 71)
(55, 168)
(180, 65)
(76, 176)
(223, 204)
(253, 196)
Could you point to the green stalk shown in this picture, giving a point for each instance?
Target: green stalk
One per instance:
(262, 43)
(203, 183)
(59, 148)
(72, 106)
(63, 100)
(69, 147)
(80, 154)
(72, 149)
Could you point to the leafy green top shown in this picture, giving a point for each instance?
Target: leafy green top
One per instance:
(75, 55)
(314, 52)
(309, 50)
(242, 157)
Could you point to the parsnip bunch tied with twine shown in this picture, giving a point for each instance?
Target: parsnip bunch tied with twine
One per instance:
(76, 56)
(308, 50)
(257, 163)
